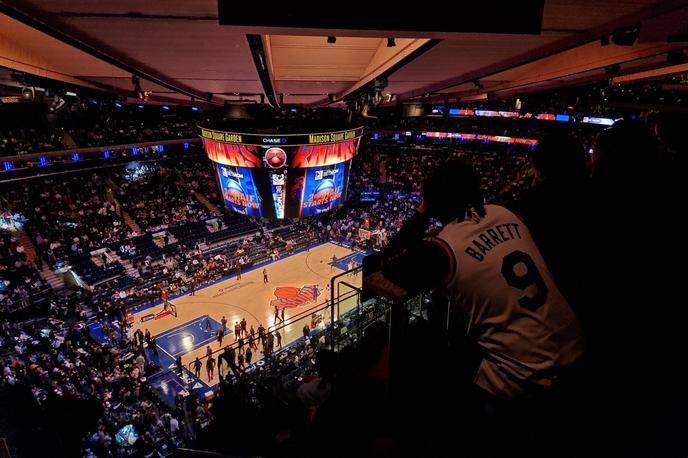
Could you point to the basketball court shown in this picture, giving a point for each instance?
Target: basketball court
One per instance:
(291, 282)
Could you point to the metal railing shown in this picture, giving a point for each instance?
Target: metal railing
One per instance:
(289, 321)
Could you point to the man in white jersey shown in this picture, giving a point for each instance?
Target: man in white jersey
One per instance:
(494, 277)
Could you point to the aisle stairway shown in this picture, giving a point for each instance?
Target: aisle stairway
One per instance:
(45, 272)
(112, 198)
(128, 266)
(202, 199)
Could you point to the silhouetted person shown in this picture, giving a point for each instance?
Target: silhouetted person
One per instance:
(638, 332)
(557, 212)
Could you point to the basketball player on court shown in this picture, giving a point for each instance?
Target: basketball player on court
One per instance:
(165, 302)
(495, 278)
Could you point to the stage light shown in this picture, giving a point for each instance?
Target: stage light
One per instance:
(140, 107)
(626, 36)
(118, 105)
(28, 93)
(391, 43)
(165, 107)
(331, 40)
(194, 108)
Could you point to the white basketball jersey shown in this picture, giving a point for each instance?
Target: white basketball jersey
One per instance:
(512, 306)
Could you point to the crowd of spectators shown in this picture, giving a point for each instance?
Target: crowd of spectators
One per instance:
(29, 128)
(157, 198)
(58, 359)
(29, 140)
(201, 177)
(119, 128)
(20, 282)
(69, 218)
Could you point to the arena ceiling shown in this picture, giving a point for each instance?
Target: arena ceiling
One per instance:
(182, 52)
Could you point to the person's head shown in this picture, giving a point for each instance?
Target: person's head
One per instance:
(670, 130)
(626, 153)
(452, 191)
(560, 157)
(326, 364)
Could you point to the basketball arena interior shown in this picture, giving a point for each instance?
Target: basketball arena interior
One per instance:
(343, 230)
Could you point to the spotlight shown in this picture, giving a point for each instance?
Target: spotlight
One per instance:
(391, 43)
(626, 36)
(28, 93)
(331, 40)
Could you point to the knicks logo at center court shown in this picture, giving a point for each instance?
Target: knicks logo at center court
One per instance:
(290, 296)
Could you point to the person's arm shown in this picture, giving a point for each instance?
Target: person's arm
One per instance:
(412, 231)
(420, 265)
(412, 262)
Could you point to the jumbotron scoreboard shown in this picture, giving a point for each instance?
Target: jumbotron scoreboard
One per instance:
(282, 176)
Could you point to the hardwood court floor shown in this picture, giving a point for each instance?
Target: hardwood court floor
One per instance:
(248, 298)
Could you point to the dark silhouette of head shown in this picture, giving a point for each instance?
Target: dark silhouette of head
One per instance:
(627, 155)
(559, 157)
(452, 191)
(326, 365)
